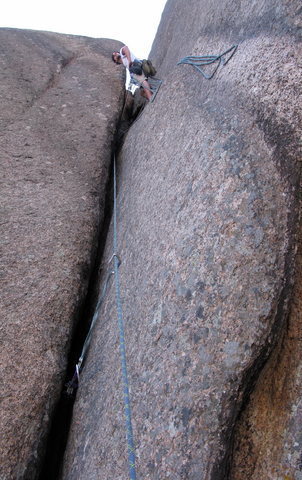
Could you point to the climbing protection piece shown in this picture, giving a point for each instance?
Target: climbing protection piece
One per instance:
(201, 61)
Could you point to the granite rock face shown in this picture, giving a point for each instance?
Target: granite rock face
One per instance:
(207, 225)
(60, 102)
(268, 434)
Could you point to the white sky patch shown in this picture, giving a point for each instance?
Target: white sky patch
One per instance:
(132, 22)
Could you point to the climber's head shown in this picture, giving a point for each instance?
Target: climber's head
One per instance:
(116, 57)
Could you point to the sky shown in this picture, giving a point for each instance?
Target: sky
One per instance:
(133, 22)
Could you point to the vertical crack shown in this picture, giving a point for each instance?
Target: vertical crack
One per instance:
(62, 416)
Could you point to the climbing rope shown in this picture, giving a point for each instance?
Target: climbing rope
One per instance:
(73, 384)
(127, 407)
(200, 61)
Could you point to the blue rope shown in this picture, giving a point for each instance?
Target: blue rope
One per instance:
(198, 62)
(127, 409)
(73, 384)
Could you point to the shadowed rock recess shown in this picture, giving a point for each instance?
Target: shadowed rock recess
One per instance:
(61, 99)
(207, 228)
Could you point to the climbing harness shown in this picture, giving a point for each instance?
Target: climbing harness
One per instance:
(73, 384)
(200, 61)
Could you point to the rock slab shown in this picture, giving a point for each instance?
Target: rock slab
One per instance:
(207, 221)
(60, 103)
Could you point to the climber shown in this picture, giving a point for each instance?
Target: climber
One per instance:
(125, 57)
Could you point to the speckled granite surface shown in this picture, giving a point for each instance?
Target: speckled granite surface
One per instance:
(60, 101)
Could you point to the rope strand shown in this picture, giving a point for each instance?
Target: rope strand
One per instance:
(199, 61)
(127, 407)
